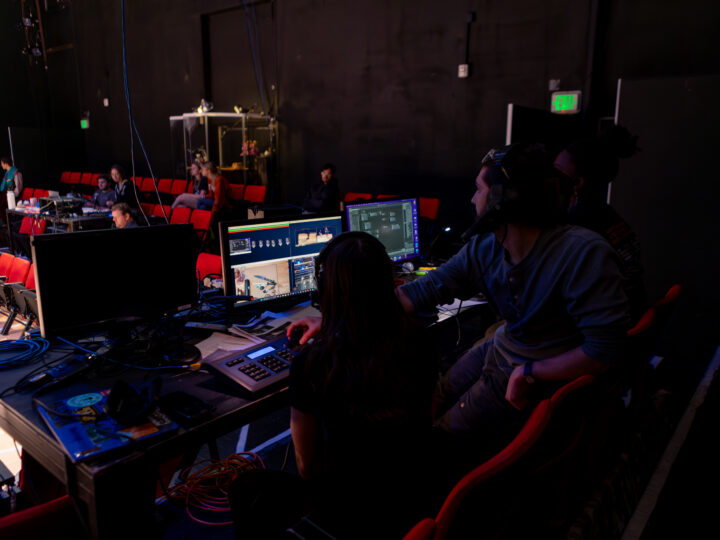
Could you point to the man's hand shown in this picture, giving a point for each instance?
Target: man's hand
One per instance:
(517, 389)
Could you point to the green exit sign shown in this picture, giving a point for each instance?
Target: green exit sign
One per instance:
(565, 102)
(84, 123)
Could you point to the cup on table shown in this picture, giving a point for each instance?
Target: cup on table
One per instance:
(33, 201)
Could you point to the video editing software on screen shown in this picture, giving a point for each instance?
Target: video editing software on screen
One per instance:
(276, 260)
(393, 222)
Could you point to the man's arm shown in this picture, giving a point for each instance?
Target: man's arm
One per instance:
(568, 365)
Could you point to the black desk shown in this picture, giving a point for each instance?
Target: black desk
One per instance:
(55, 224)
(119, 492)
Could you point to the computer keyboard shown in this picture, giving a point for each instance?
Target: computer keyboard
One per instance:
(260, 366)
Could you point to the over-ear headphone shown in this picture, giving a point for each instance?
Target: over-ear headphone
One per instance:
(520, 188)
(500, 182)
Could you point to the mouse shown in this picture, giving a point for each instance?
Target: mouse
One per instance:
(295, 335)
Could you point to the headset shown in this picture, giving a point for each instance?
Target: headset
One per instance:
(518, 190)
(322, 257)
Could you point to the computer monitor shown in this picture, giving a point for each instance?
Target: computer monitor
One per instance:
(273, 260)
(87, 278)
(392, 221)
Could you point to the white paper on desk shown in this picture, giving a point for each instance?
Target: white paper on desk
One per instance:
(224, 343)
(274, 324)
(474, 301)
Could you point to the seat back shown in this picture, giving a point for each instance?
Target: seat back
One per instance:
(208, 265)
(201, 222)
(428, 207)
(30, 279)
(65, 177)
(27, 193)
(35, 522)
(75, 177)
(180, 215)
(237, 191)
(165, 185)
(86, 179)
(255, 193)
(146, 185)
(355, 196)
(178, 187)
(157, 210)
(18, 270)
(519, 448)
(6, 260)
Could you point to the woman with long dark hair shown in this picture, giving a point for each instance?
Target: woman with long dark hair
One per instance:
(361, 396)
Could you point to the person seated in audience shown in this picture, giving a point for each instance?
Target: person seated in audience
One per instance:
(323, 196)
(125, 190)
(360, 414)
(557, 287)
(12, 180)
(199, 191)
(594, 164)
(122, 216)
(105, 197)
(220, 200)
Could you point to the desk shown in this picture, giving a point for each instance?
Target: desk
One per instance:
(119, 492)
(100, 220)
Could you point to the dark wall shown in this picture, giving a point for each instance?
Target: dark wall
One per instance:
(369, 85)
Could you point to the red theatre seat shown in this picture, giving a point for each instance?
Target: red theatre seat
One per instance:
(255, 193)
(165, 185)
(178, 187)
(208, 265)
(180, 215)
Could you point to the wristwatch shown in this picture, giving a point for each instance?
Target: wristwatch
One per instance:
(527, 373)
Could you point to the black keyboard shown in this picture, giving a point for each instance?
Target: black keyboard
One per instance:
(259, 367)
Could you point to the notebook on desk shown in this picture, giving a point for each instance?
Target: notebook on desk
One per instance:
(82, 426)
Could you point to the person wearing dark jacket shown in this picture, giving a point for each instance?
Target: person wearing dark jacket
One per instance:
(325, 195)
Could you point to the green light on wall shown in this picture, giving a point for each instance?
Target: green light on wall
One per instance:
(565, 102)
(84, 123)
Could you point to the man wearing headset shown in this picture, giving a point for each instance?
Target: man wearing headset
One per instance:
(558, 289)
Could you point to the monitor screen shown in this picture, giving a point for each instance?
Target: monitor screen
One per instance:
(89, 277)
(274, 259)
(392, 221)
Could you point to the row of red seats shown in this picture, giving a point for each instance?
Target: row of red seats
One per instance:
(144, 184)
(29, 193)
(199, 218)
(17, 279)
(168, 186)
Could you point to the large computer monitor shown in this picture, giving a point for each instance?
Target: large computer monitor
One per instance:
(87, 278)
(392, 221)
(274, 259)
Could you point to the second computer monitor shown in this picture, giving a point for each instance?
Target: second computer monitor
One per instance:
(392, 221)
(274, 259)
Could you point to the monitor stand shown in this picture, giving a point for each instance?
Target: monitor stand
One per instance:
(157, 343)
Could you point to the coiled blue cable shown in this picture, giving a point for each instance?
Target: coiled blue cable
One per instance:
(22, 351)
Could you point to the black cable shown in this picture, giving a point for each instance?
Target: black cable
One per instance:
(251, 39)
(133, 128)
